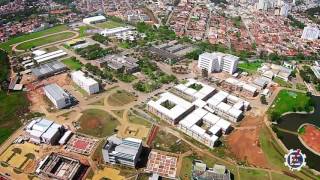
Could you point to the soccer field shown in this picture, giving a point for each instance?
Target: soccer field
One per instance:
(45, 40)
(7, 45)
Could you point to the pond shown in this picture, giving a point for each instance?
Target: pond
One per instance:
(292, 122)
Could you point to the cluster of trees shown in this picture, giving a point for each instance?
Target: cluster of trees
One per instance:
(295, 23)
(5, 69)
(93, 52)
(157, 77)
(313, 13)
(263, 100)
(105, 74)
(307, 75)
(154, 33)
(236, 21)
(101, 39)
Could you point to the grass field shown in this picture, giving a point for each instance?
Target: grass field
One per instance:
(250, 67)
(282, 83)
(45, 40)
(273, 152)
(288, 101)
(83, 29)
(281, 177)
(139, 120)
(301, 86)
(167, 142)
(7, 45)
(120, 98)
(253, 174)
(72, 63)
(119, 113)
(11, 106)
(109, 25)
(97, 123)
(186, 168)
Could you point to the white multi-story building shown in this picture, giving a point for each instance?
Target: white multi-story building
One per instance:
(310, 33)
(122, 151)
(284, 10)
(216, 62)
(88, 84)
(57, 96)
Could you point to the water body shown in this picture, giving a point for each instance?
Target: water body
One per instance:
(292, 122)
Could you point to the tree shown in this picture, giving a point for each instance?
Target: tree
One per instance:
(204, 73)
(263, 99)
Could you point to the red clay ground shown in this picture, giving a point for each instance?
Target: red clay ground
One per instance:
(92, 123)
(311, 137)
(243, 142)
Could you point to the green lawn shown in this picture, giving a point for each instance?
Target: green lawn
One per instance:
(72, 63)
(83, 29)
(98, 123)
(138, 120)
(253, 174)
(109, 24)
(45, 40)
(250, 67)
(7, 45)
(301, 86)
(282, 83)
(167, 142)
(11, 107)
(288, 101)
(120, 98)
(272, 151)
(281, 177)
(186, 168)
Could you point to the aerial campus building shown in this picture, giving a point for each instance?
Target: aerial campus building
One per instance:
(200, 171)
(115, 31)
(122, 151)
(57, 96)
(42, 130)
(199, 110)
(88, 84)
(117, 62)
(217, 62)
(48, 69)
(42, 58)
(94, 19)
(60, 167)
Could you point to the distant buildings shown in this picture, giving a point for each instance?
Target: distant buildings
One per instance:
(200, 171)
(57, 96)
(44, 131)
(115, 31)
(118, 62)
(217, 62)
(284, 10)
(310, 33)
(272, 70)
(122, 151)
(86, 83)
(94, 19)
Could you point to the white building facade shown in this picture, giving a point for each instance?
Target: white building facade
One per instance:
(57, 96)
(88, 84)
(216, 62)
(310, 33)
(94, 19)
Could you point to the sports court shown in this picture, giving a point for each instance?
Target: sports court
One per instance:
(81, 144)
